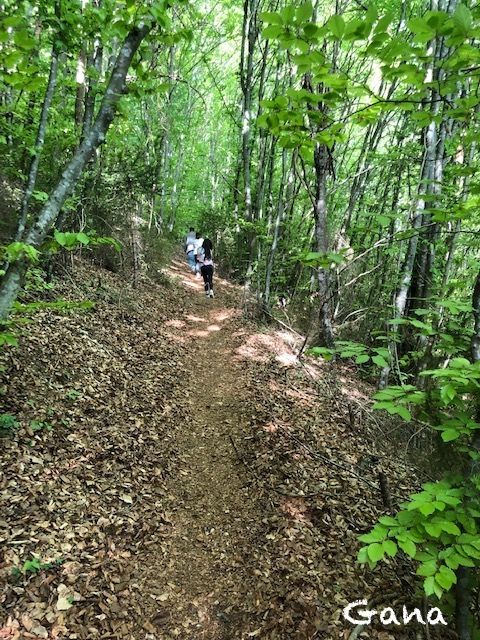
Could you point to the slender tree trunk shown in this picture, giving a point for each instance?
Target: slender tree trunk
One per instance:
(325, 330)
(463, 589)
(39, 142)
(249, 38)
(426, 188)
(93, 70)
(12, 280)
(276, 233)
(81, 88)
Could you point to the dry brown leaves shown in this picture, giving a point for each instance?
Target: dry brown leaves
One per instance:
(306, 569)
(109, 485)
(87, 491)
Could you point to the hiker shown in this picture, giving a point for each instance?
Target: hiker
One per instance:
(190, 248)
(205, 258)
(198, 246)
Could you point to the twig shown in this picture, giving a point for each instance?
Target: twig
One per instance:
(422, 428)
(360, 275)
(267, 484)
(283, 324)
(320, 456)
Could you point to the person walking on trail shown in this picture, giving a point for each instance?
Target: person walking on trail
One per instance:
(198, 245)
(190, 248)
(205, 258)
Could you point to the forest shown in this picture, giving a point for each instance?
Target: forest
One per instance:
(329, 150)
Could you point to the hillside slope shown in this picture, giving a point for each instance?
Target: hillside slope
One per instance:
(177, 473)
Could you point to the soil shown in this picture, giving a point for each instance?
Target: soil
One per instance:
(177, 472)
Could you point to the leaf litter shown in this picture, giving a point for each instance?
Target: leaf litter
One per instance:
(179, 492)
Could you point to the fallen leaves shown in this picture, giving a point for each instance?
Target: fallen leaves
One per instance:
(80, 496)
(135, 503)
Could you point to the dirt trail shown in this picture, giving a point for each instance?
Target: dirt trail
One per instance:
(197, 579)
(124, 480)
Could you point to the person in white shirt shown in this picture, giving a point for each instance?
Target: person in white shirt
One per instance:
(198, 246)
(190, 248)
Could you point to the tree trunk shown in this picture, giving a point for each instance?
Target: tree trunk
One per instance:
(81, 88)
(276, 233)
(39, 142)
(249, 38)
(93, 69)
(12, 280)
(410, 271)
(325, 331)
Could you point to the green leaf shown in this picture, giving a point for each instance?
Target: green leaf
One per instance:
(23, 40)
(336, 25)
(433, 529)
(427, 509)
(362, 359)
(362, 557)
(408, 546)
(304, 12)
(450, 527)
(388, 521)
(429, 586)
(272, 31)
(446, 571)
(448, 393)
(271, 18)
(8, 339)
(404, 413)
(377, 534)
(421, 29)
(427, 568)
(40, 196)
(450, 434)
(375, 552)
(390, 548)
(462, 19)
(83, 238)
(380, 361)
(443, 580)
(60, 237)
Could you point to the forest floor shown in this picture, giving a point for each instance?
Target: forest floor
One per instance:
(178, 473)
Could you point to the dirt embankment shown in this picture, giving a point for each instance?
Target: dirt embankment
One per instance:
(178, 474)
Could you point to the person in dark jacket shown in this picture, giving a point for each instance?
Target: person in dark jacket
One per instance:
(205, 259)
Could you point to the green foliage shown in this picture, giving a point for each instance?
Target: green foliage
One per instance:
(40, 425)
(74, 240)
(35, 565)
(8, 424)
(18, 251)
(8, 339)
(57, 305)
(362, 355)
(399, 399)
(438, 528)
(35, 281)
(328, 260)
